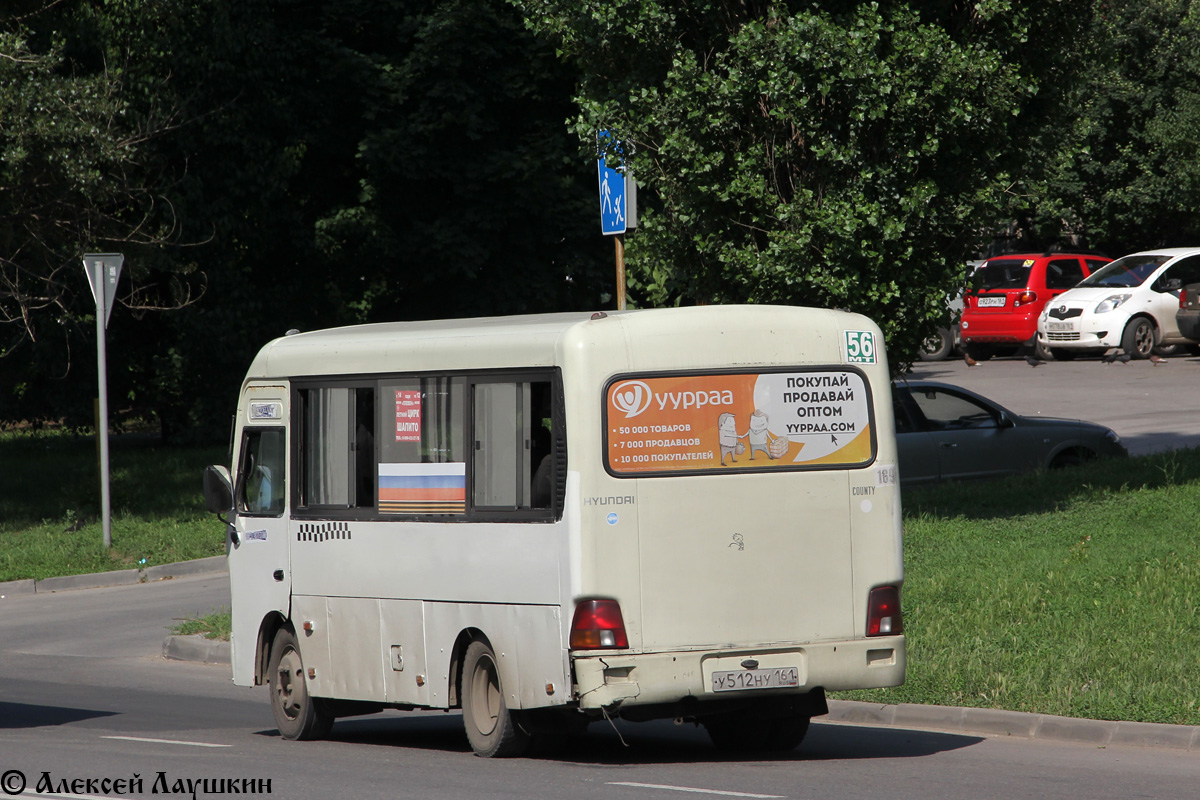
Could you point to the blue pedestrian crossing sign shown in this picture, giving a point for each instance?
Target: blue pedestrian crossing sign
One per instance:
(615, 200)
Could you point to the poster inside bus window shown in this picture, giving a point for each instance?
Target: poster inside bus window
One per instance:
(734, 422)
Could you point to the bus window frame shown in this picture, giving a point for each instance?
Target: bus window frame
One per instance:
(240, 478)
(470, 378)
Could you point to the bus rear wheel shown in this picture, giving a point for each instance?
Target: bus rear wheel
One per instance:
(298, 715)
(492, 728)
(751, 734)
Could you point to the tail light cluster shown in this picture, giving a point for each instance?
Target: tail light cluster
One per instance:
(883, 612)
(1182, 298)
(598, 625)
(1025, 298)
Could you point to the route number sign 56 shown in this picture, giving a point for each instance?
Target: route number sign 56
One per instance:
(860, 347)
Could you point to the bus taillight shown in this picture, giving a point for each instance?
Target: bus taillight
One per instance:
(883, 612)
(598, 624)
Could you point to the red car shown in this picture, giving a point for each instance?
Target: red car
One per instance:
(1007, 293)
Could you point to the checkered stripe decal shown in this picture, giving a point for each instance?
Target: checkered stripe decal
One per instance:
(323, 532)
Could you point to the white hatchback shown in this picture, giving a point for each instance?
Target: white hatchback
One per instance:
(1129, 304)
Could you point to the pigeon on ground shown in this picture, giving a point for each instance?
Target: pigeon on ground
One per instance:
(1033, 362)
(970, 361)
(1114, 354)
(1156, 360)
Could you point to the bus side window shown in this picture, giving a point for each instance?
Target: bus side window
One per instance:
(261, 487)
(337, 447)
(513, 457)
(365, 463)
(501, 477)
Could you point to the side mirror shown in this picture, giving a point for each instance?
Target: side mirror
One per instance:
(218, 498)
(218, 490)
(1005, 421)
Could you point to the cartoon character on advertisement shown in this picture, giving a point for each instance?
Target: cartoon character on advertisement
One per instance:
(760, 438)
(727, 438)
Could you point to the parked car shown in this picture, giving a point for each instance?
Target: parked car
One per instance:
(1188, 315)
(947, 340)
(1131, 303)
(1000, 311)
(945, 432)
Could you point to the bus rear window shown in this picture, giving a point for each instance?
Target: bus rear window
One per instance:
(736, 422)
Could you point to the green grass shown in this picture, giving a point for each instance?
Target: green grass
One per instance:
(50, 505)
(216, 625)
(1075, 592)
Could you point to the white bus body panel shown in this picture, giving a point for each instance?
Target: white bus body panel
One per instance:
(732, 565)
(709, 569)
(262, 549)
(416, 586)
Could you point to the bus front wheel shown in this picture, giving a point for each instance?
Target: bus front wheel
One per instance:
(492, 728)
(298, 715)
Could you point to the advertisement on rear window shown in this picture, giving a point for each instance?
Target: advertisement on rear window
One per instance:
(738, 422)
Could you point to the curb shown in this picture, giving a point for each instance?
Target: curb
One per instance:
(115, 578)
(196, 648)
(122, 577)
(997, 723)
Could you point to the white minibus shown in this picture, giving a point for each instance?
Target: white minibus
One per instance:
(543, 521)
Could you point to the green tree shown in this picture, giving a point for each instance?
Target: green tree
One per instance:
(313, 165)
(819, 153)
(75, 177)
(1125, 167)
(472, 199)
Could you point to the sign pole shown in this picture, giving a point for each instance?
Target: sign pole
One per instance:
(103, 271)
(618, 240)
(102, 426)
(618, 201)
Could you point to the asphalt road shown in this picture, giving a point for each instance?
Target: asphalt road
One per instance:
(84, 693)
(1152, 407)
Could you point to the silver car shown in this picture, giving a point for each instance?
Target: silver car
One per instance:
(946, 432)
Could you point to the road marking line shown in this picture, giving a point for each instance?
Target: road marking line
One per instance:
(690, 789)
(164, 741)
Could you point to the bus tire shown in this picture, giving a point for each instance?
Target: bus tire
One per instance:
(298, 715)
(754, 734)
(789, 733)
(493, 730)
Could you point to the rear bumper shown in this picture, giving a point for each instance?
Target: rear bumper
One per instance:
(1189, 323)
(663, 679)
(1000, 328)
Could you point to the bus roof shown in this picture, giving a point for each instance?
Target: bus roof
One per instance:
(532, 340)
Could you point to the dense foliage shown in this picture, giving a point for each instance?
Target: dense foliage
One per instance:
(304, 165)
(1125, 169)
(831, 154)
(269, 164)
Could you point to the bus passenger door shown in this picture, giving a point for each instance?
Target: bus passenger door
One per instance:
(259, 572)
